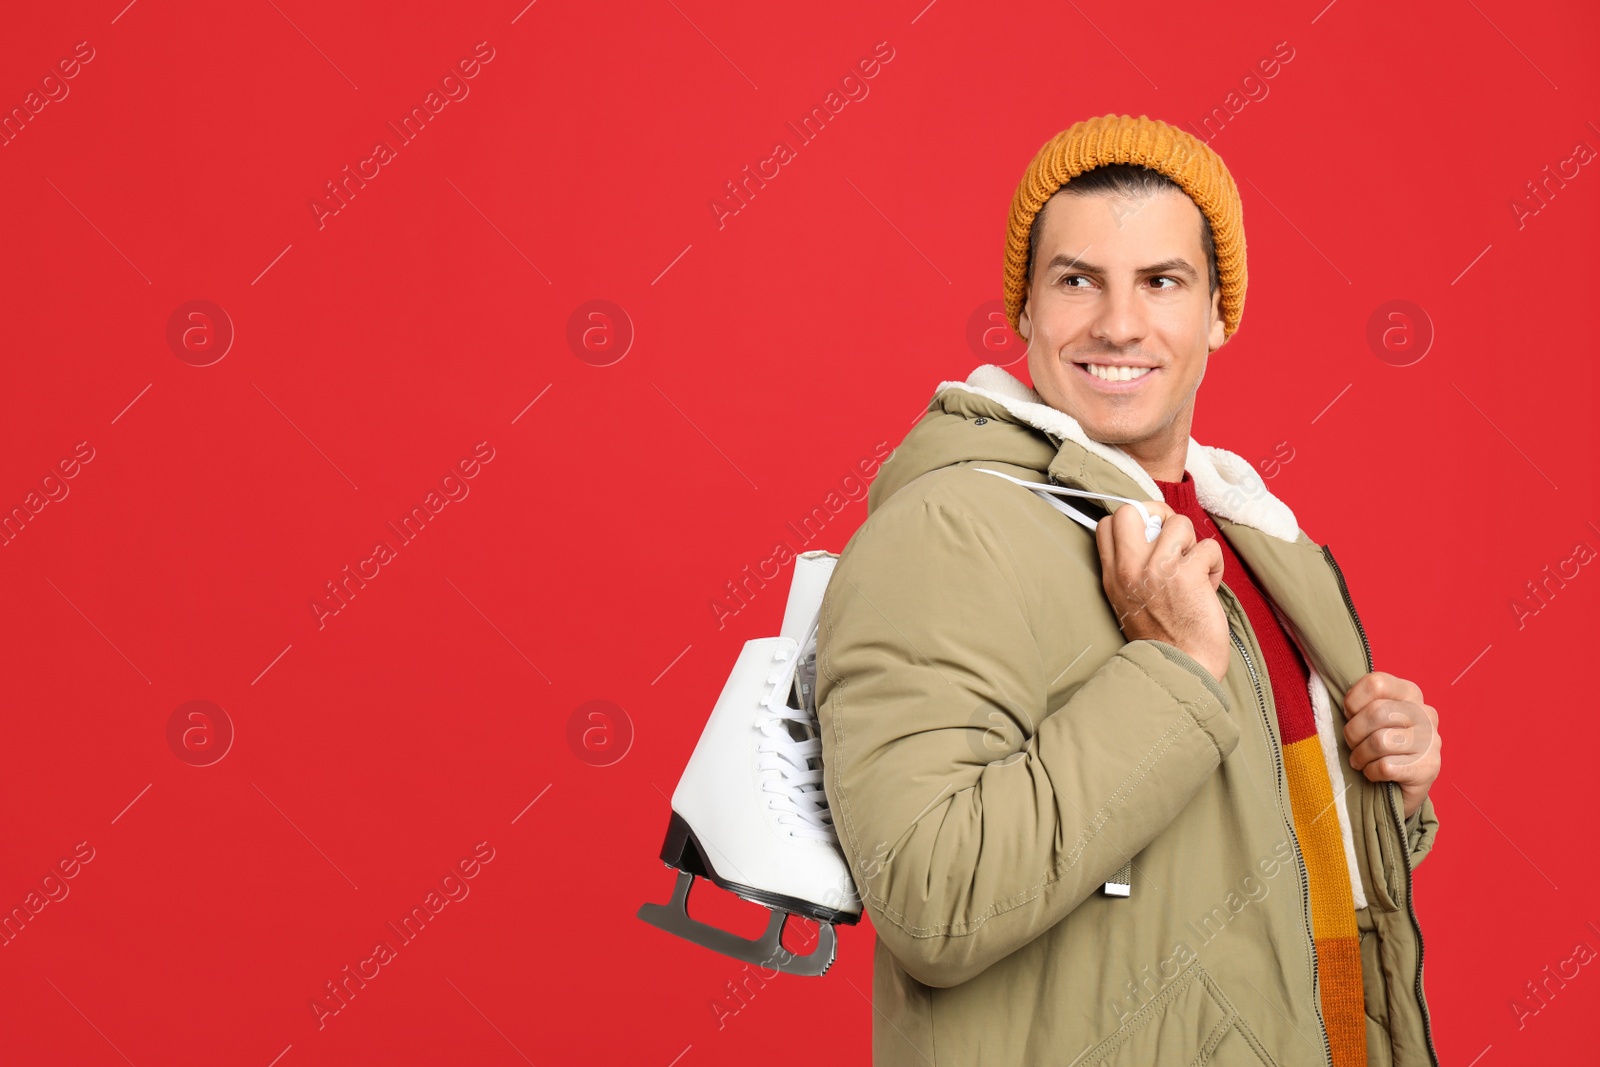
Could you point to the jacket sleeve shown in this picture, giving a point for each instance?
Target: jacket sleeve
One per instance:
(1421, 829)
(963, 853)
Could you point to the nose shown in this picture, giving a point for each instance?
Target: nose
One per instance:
(1121, 320)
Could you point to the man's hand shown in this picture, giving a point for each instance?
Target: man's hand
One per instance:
(1166, 589)
(1393, 735)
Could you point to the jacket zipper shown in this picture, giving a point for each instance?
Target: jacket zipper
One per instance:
(1305, 876)
(1390, 789)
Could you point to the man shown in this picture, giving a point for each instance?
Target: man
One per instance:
(1016, 711)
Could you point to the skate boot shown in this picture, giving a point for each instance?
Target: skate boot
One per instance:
(749, 812)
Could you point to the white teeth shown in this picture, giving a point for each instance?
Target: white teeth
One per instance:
(1117, 374)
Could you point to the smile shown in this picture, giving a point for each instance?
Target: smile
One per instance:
(1120, 378)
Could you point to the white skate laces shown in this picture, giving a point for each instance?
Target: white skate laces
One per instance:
(1152, 523)
(790, 750)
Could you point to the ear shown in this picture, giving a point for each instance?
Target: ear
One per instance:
(1217, 335)
(1024, 323)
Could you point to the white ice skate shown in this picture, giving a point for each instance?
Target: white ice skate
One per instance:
(749, 812)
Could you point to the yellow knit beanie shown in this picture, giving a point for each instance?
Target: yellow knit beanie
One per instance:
(1147, 142)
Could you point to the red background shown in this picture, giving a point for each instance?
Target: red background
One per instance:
(769, 356)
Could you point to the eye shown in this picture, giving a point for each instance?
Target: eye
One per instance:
(1069, 277)
(1167, 278)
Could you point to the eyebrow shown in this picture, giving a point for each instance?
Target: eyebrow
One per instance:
(1166, 266)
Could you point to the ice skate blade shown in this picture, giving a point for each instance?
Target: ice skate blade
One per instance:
(681, 851)
(765, 951)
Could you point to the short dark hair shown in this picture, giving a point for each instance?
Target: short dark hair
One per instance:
(1124, 179)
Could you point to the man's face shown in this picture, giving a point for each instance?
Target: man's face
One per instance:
(1122, 282)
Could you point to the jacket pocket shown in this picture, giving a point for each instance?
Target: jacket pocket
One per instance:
(1190, 1022)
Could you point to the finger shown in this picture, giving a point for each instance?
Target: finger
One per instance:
(1393, 714)
(1360, 694)
(1168, 550)
(1110, 579)
(1363, 692)
(1128, 524)
(1378, 715)
(1105, 543)
(1203, 560)
(1392, 742)
(1208, 553)
(1397, 769)
(1132, 551)
(1159, 508)
(1379, 685)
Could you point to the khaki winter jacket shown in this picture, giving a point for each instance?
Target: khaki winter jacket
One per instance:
(995, 750)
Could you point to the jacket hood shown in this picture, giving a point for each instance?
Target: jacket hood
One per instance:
(1021, 430)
